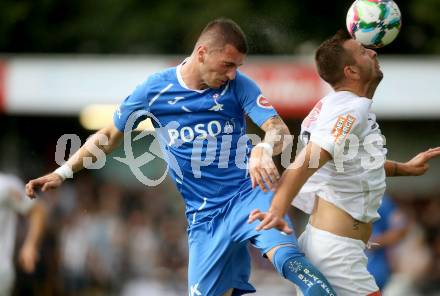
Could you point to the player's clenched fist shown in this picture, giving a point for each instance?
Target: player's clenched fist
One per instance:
(50, 181)
(269, 220)
(262, 168)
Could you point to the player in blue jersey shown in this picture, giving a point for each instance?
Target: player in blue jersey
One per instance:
(199, 110)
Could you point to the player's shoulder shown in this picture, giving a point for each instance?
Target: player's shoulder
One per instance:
(244, 85)
(161, 78)
(242, 79)
(342, 102)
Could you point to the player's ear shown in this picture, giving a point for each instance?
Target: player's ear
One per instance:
(352, 72)
(201, 53)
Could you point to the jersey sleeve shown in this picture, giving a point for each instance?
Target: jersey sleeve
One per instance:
(134, 108)
(254, 104)
(336, 123)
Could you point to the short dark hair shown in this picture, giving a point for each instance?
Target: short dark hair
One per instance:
(331, 57)
(223, 31)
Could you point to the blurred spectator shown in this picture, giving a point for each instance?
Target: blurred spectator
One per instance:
(173, 252)
(107, 234)
(430, 219)
(388, 231)
(414, 259)
(74, 247)
(115, 240)
(13, 201)
(142, 243)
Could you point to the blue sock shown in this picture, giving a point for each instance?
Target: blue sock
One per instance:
(293, 266)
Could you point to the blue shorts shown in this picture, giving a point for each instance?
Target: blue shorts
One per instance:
(218, 247)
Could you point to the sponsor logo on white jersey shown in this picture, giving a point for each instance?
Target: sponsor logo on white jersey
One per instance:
(343, 127)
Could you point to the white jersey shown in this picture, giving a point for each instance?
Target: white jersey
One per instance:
(354, 180)
(13, 201)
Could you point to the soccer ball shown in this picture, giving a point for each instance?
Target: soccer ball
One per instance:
(374, 23)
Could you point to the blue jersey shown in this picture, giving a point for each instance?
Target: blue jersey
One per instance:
(378, 263)
(202, 134)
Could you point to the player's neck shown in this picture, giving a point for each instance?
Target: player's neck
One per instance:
(360, 90)
(190, 75)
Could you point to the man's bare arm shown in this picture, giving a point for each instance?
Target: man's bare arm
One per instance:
(106, 139)
(416, 166)
(310, 159)
(276, 132)
(262, 169)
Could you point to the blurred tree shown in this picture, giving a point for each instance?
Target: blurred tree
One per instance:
(424, 31)
(170, 27)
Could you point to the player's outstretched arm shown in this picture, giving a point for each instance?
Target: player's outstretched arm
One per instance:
(106, 139)
(262, 169)
(416, 166)
(311, 158)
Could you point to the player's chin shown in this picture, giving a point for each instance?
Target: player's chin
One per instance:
(217, 83)
(379, 75)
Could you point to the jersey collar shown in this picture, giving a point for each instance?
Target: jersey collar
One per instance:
(180, 79)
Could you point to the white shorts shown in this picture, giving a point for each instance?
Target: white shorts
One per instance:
(341, 259)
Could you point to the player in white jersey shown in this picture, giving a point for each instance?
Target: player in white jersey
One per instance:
(339, 176)
(13, 201)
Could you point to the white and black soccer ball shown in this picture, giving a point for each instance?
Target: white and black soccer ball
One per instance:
(374, 23)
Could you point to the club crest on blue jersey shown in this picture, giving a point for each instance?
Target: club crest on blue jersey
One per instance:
(217, 106)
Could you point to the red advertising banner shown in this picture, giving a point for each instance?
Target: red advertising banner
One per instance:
(292, 88)
(2, 86)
